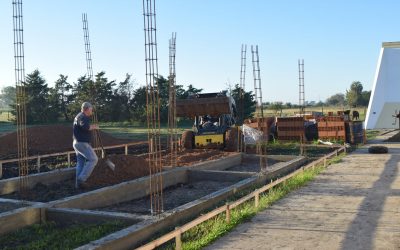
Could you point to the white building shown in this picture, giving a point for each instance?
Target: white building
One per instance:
(385, 95)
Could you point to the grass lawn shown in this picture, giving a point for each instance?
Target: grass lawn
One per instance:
(49, 235)
(134, 133)
(371, 134)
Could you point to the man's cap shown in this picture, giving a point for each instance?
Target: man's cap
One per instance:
(86, 105)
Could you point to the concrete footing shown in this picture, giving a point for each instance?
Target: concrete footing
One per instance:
(77, 208)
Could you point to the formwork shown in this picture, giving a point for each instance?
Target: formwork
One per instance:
(189, 191)
(290, 128)
(331, 128)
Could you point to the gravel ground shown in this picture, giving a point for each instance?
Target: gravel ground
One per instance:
(173, 197)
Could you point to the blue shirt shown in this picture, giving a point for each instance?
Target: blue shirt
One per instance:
(81, 128)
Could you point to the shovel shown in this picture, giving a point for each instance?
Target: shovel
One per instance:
(109, 163)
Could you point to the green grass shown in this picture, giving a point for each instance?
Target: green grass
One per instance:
(134, 133)
(209, 231)
(50, 236)
(371, 134)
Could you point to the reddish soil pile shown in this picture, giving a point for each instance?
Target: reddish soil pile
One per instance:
(191, 157)
(127, 167)
(47, 139)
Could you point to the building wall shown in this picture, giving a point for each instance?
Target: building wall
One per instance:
(385, 95)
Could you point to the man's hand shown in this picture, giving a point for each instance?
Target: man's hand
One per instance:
(94, 126)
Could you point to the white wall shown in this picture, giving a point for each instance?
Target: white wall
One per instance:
(385, 95)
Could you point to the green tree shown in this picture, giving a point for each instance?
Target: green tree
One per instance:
(61, 97)
(353, 95)
(7, 97)
(365, 97)
(336, 100)
(249, 103)
(99, 93)
(276, 106)
(37, 106)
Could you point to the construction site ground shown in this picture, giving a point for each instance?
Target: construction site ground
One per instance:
(173, 197)
(354, 204)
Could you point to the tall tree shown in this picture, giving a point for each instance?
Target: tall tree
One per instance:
(353, 95)
(249, 102)
(37, 106)
(336, 100)
(61, 96)
(7, 97)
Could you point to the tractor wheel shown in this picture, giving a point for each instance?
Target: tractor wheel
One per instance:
(231, 140)
(188, 139)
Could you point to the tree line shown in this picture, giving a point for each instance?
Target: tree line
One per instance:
(114, 101)
(355, 96)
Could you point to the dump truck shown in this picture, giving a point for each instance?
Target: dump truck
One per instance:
(214, 116)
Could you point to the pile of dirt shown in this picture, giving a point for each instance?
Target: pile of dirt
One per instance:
(395, 138)
(191, 157)
(47, 139)
(127, 167)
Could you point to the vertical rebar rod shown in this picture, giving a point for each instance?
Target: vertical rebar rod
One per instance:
(257, 79)
(153, 107)
(242, 80)
(21, 98)
(90, 78)
(172, 140)
(301, 87)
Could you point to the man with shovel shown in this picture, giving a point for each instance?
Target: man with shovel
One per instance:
(86, 158)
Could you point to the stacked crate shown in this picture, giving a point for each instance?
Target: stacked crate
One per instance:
(263, 124)
(290, 128)
(331, 128)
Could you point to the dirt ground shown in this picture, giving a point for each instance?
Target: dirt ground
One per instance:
(353, 204)
(251, 165)
(191, 157)
(173, 197)
(127, 167)
(47, 139)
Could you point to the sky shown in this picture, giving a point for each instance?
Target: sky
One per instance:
(339, 40)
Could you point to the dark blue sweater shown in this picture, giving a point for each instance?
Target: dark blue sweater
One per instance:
(81, 128)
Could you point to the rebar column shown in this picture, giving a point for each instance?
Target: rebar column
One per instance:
(21, 98)
(153, 107)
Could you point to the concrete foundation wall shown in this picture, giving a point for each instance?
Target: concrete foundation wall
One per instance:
(65, 216)
(11, 185)
(133, 236)
(219, 164)
(125, 191)
(20, 218)
(217, 175)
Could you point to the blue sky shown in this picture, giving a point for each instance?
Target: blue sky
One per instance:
(339, 41)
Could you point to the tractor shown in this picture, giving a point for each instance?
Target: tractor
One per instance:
(214, 117)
